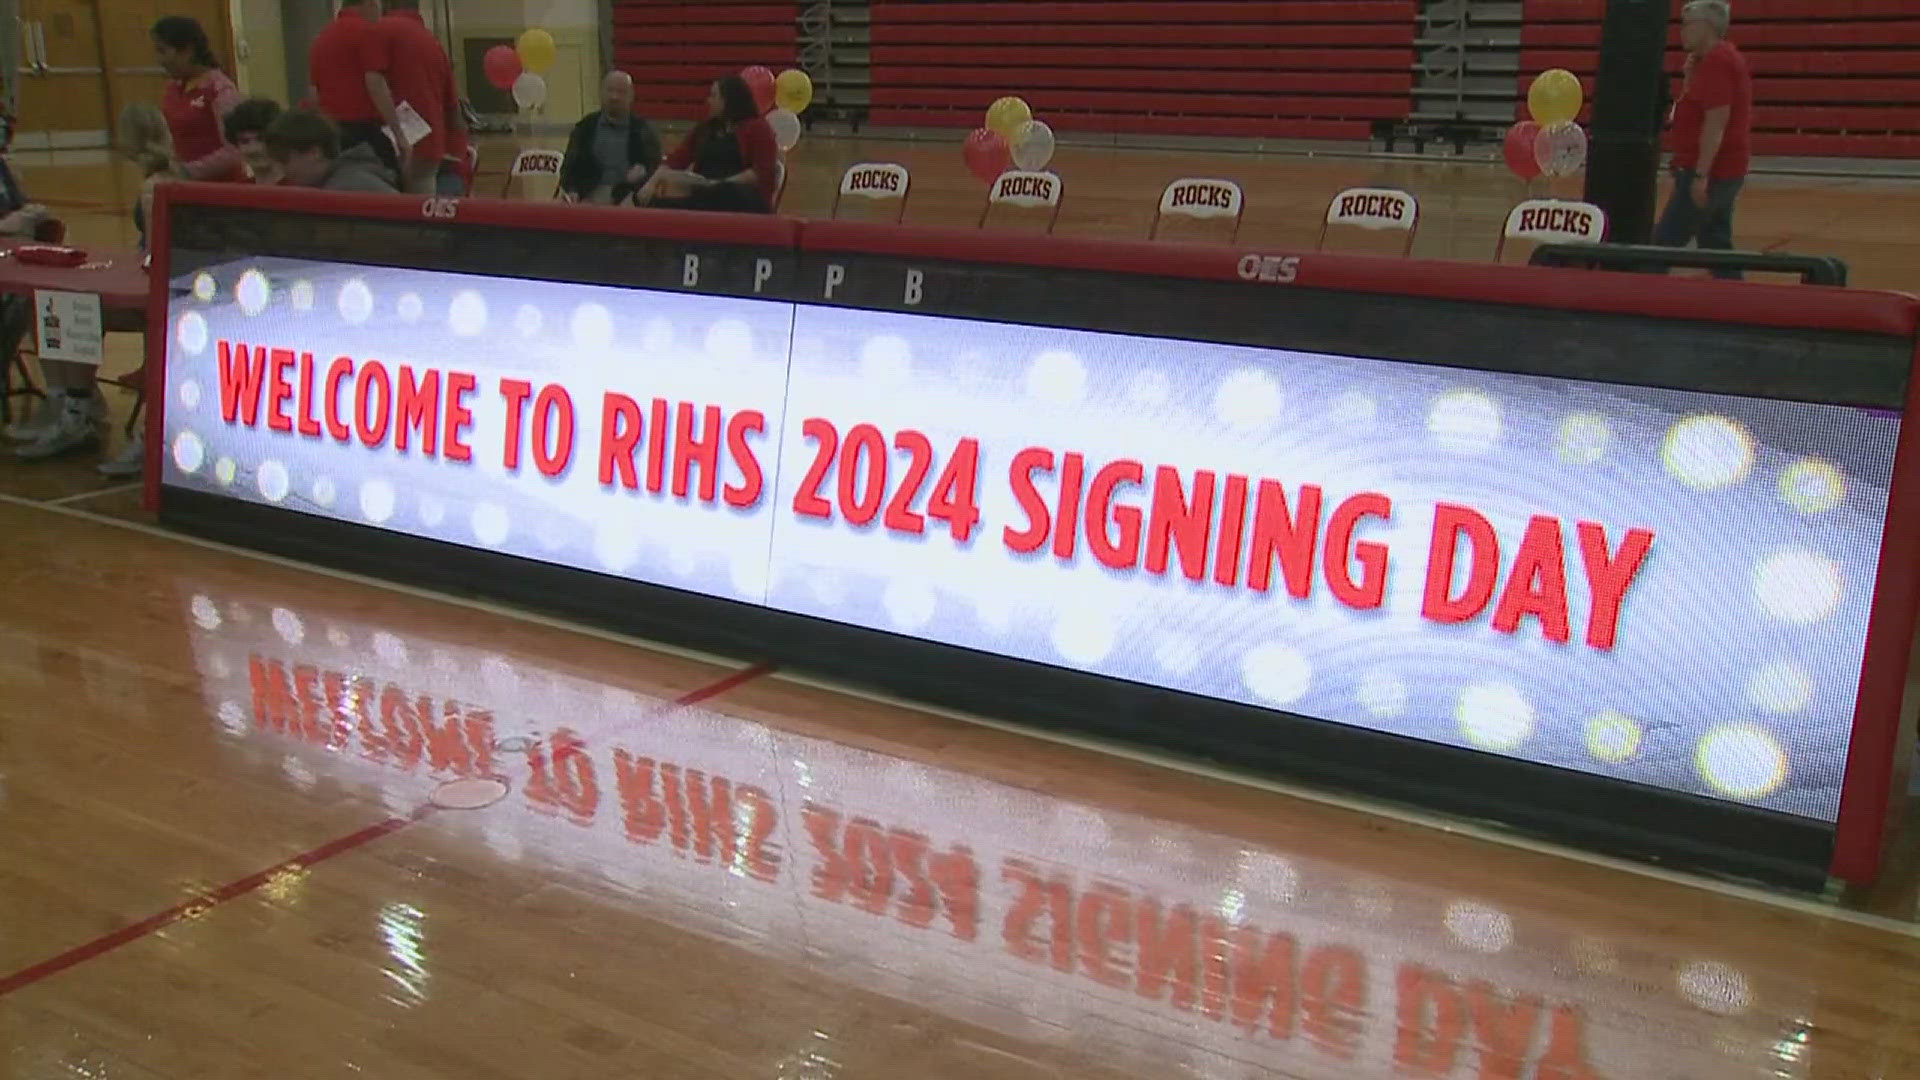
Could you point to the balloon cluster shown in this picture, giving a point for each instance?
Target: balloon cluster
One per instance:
(1012, 137)
(519, 67)
(1550, 144)
(781, 100)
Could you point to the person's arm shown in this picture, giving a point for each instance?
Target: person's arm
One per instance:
(376, 59)
(382, 94)
(226, 160)
(1712, 85)
(574, 184)
(1713, 131)
(678, 167)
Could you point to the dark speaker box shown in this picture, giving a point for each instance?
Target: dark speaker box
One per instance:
(1630, 102)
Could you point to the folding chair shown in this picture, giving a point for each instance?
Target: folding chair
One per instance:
(1373, 209)
(534, 163)
(24, 387)
(1549, 221)
(1202, 199)
(1029, 190)
(779, 182)
(473, 166)
(49, 231)
(875, 182)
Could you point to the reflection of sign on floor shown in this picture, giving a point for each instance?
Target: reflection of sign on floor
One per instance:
(69, 326)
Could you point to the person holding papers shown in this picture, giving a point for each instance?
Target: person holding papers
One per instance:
(411, 82)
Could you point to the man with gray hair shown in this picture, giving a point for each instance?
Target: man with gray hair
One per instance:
(1712, 134)
(612, 150)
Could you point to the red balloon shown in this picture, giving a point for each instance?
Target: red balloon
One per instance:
(760, 81)
(988, 154)
(1520, 154)
(502, 65)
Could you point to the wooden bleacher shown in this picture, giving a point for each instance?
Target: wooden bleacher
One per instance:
(1832, 78)
(1300, 69)
(674, 50)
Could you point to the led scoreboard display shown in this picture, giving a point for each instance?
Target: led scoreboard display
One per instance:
(1603, 572)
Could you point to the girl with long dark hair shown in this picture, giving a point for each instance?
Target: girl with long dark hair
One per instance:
(198, 97)
(729, 161)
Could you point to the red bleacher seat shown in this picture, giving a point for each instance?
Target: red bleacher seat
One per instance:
(1306, 69)
(673, 48)
(1832, 78)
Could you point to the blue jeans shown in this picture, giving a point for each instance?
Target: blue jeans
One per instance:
(1684, 222)
(448, 182)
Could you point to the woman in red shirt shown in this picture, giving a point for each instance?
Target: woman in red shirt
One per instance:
(729, 161)
(198, 97)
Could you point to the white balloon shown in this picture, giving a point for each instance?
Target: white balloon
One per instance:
(1032, 146)
(529, 90)
(786, 128)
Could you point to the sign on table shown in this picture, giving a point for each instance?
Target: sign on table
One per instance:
(70, 327)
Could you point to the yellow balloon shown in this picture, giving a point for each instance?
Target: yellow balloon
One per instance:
(793, 90)
(536, 50)
(1007, 115)
(1555, 97)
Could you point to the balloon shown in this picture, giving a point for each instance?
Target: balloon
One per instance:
(793, 90)
(1520, 150)
(1555, 97)
(987, 154)
(1560, 149)
(786, 128)
(760, 81)
(1006, 115)
(502, 66)
(530, 90)
(536, 50)
(1032, 146)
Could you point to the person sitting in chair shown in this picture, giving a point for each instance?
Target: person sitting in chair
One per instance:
(729, 161)
(612, 150)
(72, 416)
(246, 127)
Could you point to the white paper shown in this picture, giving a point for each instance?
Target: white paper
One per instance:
(413, 126)
(69, 326)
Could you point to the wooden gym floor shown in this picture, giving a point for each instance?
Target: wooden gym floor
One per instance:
(706, 869)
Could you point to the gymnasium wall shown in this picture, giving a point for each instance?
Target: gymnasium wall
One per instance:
(1835, 78)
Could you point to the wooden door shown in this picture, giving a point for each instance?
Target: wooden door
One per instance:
(62, 85)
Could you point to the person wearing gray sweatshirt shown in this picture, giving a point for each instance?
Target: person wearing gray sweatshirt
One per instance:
(307, 147)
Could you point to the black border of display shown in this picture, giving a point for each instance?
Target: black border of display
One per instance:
(1630, 820)
(1854, 366)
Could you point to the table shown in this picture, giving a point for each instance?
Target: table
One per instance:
(114, 274)
(1609, 558)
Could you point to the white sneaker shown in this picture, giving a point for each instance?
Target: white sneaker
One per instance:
(46, 413)
(76, 431)
(129, 463)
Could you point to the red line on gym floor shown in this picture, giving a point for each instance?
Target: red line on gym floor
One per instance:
(233, 890)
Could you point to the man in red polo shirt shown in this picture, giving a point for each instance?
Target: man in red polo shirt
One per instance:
(409, 73)
(336, 62)
(1712, 134)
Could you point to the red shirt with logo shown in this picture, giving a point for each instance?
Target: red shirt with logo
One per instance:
(1720, 79)
(336, 63)
(196, 113)
(417, 69)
